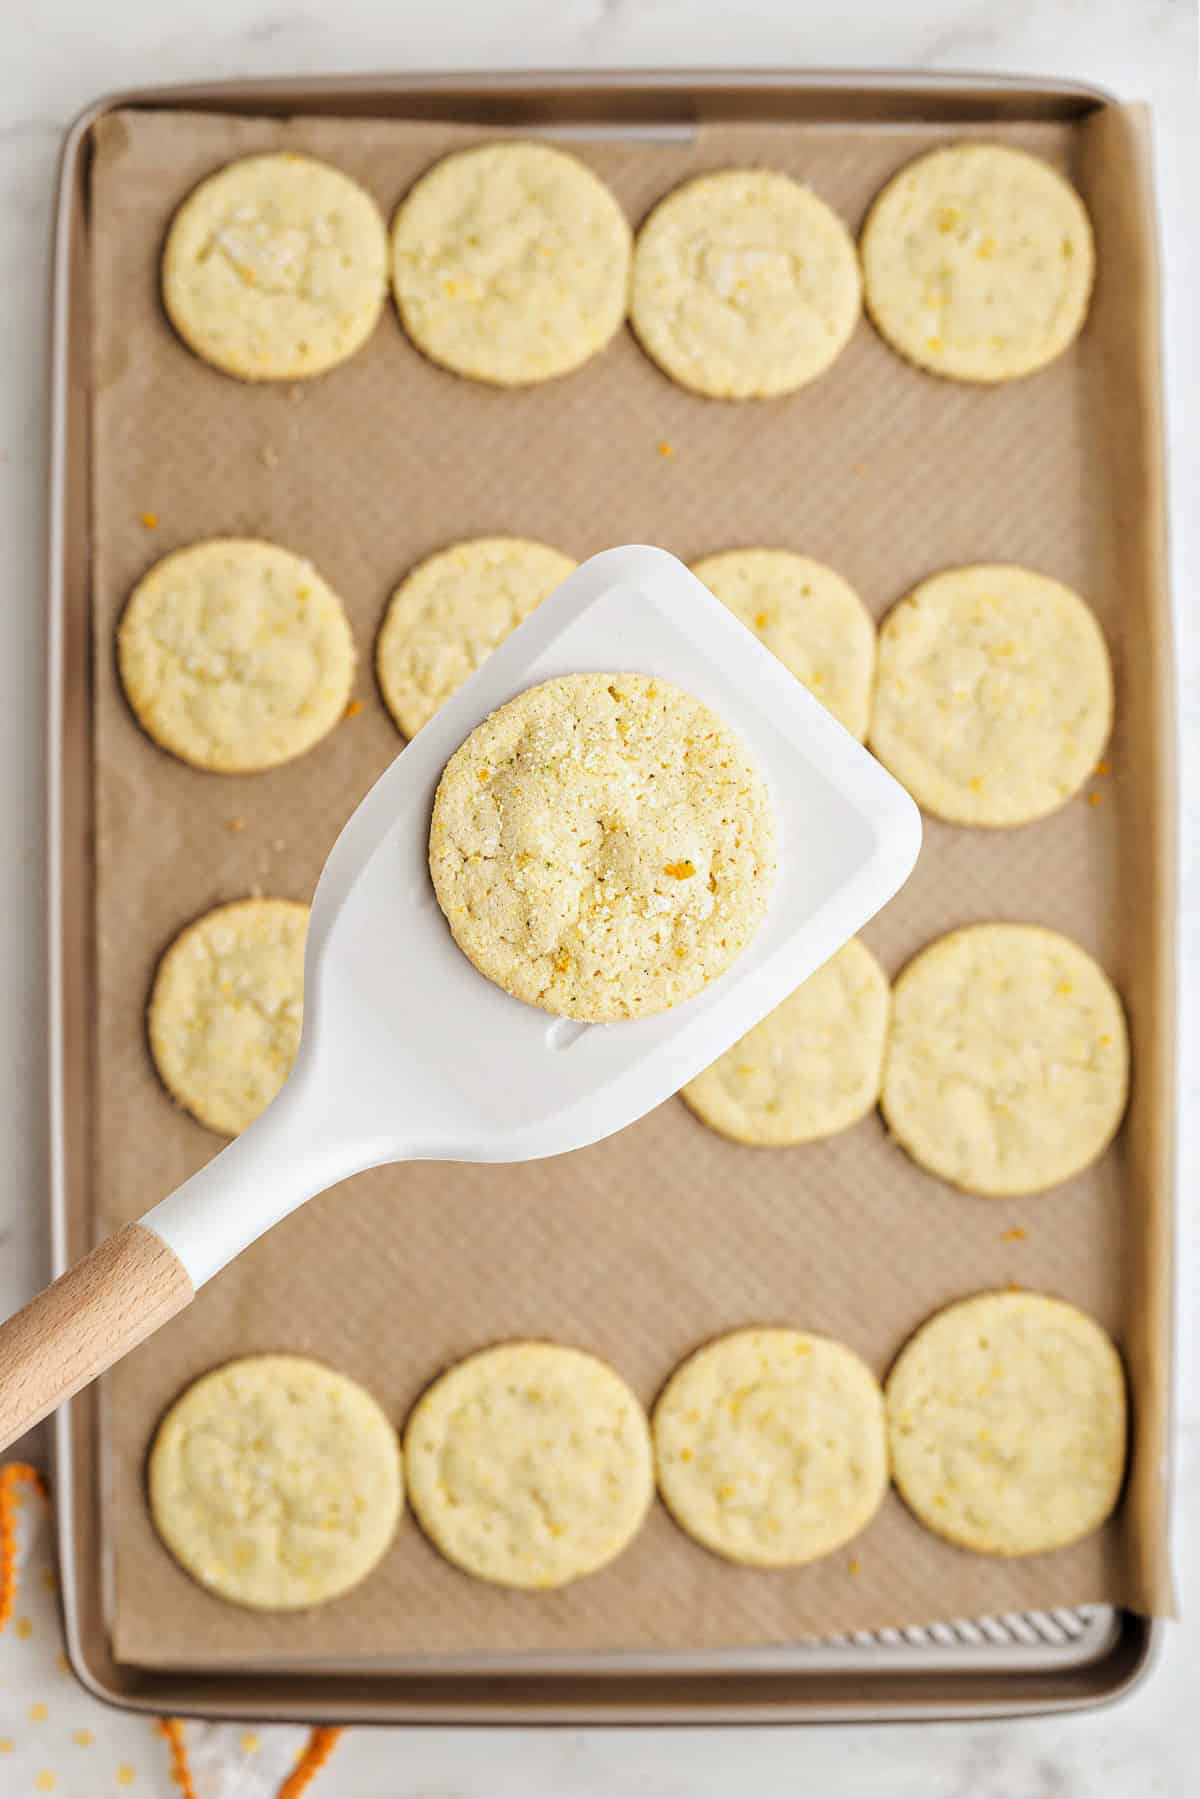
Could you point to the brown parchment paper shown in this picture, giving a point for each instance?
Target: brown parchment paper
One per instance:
(641, 1247)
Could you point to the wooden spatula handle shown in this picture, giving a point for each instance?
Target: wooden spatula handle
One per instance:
(91, 1316)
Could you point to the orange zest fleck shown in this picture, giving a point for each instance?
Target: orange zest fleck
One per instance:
(854, 1566)
(1095, 799)
(484, 776)
(150, 520)
(1015, 1234)
(235, 825)
(1104, 768)
(760, 620)
(665, 448)
(353, 708)
(682, 870)
(12, 1476)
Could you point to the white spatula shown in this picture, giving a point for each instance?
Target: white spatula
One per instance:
(407, 1053)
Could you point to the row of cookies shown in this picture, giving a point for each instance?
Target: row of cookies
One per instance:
(946, 1055)
(279, 1483)
(513, 263)
(992, 700)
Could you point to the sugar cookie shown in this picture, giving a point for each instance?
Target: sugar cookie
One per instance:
(451, 612)
(811, 1068)
(276, 1482)
(602, 846)
(770, 1446)
(235, 655)
(978, 262)
(275, 268)
(994, 694)
(1007, 1064)
(510, 263)
(809, 617)
(745, 285)
(225, 1011)
(1006, 1423)
(529, 1464)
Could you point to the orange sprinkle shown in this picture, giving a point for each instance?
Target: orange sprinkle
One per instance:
(181, 1773)
(353, 709)
(1104, 768)
(1095, 799)
(321, 1745)
(1013, 1235)
(665, 449)
(235, 824)
(150, 520)
(13, 1475)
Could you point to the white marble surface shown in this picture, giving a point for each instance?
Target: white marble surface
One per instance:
(59, 54)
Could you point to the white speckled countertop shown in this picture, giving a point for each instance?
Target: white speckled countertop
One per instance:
(59, 55)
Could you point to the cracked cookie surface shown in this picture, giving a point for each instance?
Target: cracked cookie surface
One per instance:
(235, 655)
(602, 846)
(745, 285)
(275, 268)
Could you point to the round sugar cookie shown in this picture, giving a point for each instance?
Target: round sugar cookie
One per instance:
(235, 655)
(809, 617)
(510, 263)
(602, 846)
(1007, 1065)
(812, 1066)
(275, 268)
(225, 1010)
(978, 262)
(529, 1464)
(745, 285)
(1006, 1424)
(276, 1482)
(451, 612)
(770, 1446)
(993, 696)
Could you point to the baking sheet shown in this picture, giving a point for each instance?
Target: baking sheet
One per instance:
(641, 1247)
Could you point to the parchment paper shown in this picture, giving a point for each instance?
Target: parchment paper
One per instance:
(644, 1246)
